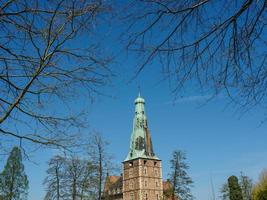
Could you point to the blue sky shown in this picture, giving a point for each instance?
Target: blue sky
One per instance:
(218, 139)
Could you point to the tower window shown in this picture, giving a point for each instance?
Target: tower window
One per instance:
(157, 196)
(131, 164)
(145, 162)
(131, 185)
(131, 196)
(156, 172)
(145, 171)
(145, 183)
(155, 163)
(131, 172)
(146, 196)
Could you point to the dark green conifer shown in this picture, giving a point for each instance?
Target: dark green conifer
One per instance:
(235, 192)
(13, 180)
(179, 178)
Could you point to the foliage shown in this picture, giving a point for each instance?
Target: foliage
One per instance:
(13, 180)
(260, 189)
(225, 192)
(235, 192)
(245, 185)
(179, 177)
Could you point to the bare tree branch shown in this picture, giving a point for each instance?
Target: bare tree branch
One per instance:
(218, 46)
(44, 66)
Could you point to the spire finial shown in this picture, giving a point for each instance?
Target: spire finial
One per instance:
(139, 89)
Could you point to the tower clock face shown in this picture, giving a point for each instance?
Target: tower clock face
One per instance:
(140, 123)
(140, 143)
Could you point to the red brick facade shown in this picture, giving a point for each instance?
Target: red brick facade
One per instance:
(142, 180)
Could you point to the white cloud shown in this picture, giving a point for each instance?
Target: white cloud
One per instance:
(188, 99)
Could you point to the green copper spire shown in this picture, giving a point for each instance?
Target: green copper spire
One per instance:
(141, 144)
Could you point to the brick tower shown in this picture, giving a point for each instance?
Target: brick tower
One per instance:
(142, 173)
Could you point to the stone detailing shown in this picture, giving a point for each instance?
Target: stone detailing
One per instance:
(142, 180)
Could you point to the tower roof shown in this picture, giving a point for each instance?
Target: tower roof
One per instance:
(141, 143)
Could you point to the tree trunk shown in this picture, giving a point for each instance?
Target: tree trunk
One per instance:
(58, 195)
(174, 182)
(100, 174)
(11, 188)
(74, 193)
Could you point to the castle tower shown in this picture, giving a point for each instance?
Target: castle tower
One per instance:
(142, 172)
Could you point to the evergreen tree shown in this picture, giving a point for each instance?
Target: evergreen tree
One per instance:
(179, 178)
(225, 192)
(13, 180)
(235, 192)
(245, 185)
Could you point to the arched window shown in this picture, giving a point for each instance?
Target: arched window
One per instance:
(156, 172)
(131, 185)
(145, 170)
(131, 172)
(131, 196)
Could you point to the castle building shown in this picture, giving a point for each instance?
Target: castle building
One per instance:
(142, 170)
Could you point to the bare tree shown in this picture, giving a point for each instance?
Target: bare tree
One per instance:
(246, 186)
(74, 169)
(53, 181)
(44, 66)
(218, 46)
(101, 159)
(70, 178)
